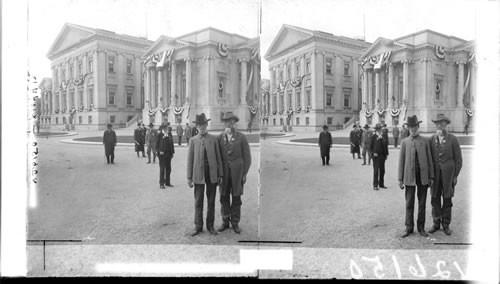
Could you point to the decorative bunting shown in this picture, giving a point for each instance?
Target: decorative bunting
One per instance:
(151, 111)
(80, 108)
(253, 110)
(178, 110)
(222, 49)
(164, 110)
(369, 113)
(63, 110)
(381, 112)
(57, 110)
(308, 108)
(299, 108)
(296, 82)
(472, 56)
(91, 106)
(439, 51)
(274, 112)
(395, 112)
(255, 55)
(469, 112)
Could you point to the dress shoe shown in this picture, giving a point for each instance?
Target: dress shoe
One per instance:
(195, 232)
(375, 188)
(169, 185)
(406, 234)
(423, 233)
(447, 230)
(236, 229)
(223, 227)
(148, 162)
(433, 229)
(360, 158)
(162, 186)
(363, 164)
(383, 186)
(212, 231)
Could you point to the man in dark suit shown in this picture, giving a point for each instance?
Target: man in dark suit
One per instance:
(109, 141)
(385, 133)
(325, 143)
(415, 174)
(204, 168)
(355, 140)
(139, 140)
(395, 135)
(380, 151)
(447, 157)
(236, 161)
(165, 151)
(151, 136)
(366, 140)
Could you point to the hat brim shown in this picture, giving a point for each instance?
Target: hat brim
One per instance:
(412, 124)
(443, 119)
(235, 118)
(201, 122)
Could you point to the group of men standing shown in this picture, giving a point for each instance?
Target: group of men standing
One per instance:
(424, 162)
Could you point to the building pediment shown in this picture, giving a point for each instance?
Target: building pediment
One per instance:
(382, 45)
(164, 43)
(69, 35)
(287, 37)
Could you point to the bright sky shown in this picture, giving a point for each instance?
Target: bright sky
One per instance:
(133, 17)
(383, 18)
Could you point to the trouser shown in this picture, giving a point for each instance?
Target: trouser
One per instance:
(151, 147)
(179, 139)
(325, 155)
(187, 140)
(441, 214)
(198, 203)
(395, 142)
(110, 153)
(165, 169)
(410, 204)
(366, 150)
(378, 171)
(230, 205)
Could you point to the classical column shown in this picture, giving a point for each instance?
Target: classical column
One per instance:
(369, 103)
(303, 83)
(365, 89)
(377, 90)
(271, 103)
(406, 82)
(68, 92)
(173, 84)
(460, 89)
(294, 93)
(472, 84)
(314, 96)
(146, 88)
(85, 85)
(244, 76)
(271, 79)
(188, 79)
(390, 92)
(160, 87)
(60, 105)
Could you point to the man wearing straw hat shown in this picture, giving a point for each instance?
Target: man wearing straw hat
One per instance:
(204, 167)
(447, 157)
(236, 159)
(415, 173)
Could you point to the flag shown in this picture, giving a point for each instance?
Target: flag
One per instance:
(161, 62)
(379, 62)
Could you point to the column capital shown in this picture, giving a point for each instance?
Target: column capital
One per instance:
(241, 60)
(188, 59)
(460, 62)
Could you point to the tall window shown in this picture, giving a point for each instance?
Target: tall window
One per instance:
(307, 121)
(329, 97)
(80, 120)
(347, 98)
(297, 68)
(112, 119)
(129, 66)
(297, 99)
(346, 68)
(90, 94)
(297, 121)
(72, 98)
(111, 63)
(129, 97)
(329, 120)
(308, 97)
(328, 67)
(79, 67)
(308, 66)
(111, 96)
(91, 65)
(80, 97)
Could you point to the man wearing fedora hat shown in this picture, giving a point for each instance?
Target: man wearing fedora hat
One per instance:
(236, 160)
(151, 136)
(366, 139)
(355, 140)
(109, 141)
(325, 143)
(165, 151)
(204, 167)
(395, 135)
(447, 157)
(187, 133)
(380, 151)
(415, 174)
(139, 140)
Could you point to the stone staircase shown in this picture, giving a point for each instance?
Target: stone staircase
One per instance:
(350, 122)
(133, 122)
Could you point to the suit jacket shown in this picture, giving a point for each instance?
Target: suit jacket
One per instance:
(179, 130)
(406, 168)
(395, 132)
(138, 136)
(325, 139)
(366, 139)
(187, 132)
(447, 158)
(379, 146)
(354, 137)
(109, 138)
(235, 156)
(196, 158)
(165, 144)
(151, 136)
(385, 134)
